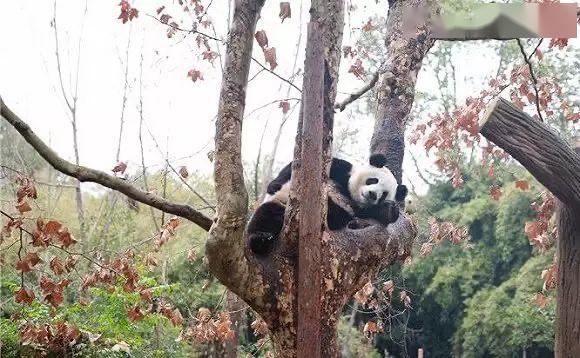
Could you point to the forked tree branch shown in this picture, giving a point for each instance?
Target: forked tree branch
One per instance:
(85, 174)
(532, 75)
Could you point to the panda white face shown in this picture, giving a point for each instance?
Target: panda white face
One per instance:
(369, 185)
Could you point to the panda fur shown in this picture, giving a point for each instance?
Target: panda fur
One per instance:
(372, 192)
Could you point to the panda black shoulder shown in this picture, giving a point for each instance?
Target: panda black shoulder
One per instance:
(340, 172)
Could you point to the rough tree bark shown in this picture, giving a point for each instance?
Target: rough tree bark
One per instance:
(396, 87)
(556, 166)
(312, 207)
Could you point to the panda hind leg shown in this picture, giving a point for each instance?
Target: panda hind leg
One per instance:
(265, 227)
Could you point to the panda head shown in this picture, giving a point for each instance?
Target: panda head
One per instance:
(373, 184)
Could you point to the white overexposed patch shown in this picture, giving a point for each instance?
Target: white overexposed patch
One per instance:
(359, 190)
(281, 195)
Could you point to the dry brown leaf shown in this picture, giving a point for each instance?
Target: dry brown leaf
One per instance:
(285, 11)
(270, 57)
(262, 39)
(120, 168)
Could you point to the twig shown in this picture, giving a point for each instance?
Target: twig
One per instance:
(534, 80)
(124, 100)
(256, 75)
(535, 49)
(176, 173)
(277, 75)
(36, 181)
(269, 104)
(425, 180)
(85, 174)
(14, 219)
(86, 258)
(58, 65)
(192, 31)
(195, 31)
(356, 95)
(145, 181)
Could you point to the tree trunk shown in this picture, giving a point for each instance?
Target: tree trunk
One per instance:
(236, 309)
(396, 88)
(311, 197)
(568, 295)
(556, 166)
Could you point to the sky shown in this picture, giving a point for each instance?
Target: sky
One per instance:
(179, 113)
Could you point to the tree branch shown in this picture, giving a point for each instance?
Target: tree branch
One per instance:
(356, 95)
(541, 151)
(194, 31)
(85, 174)
(277, 75)
(534, 79)
(396, 88)
(225, 247)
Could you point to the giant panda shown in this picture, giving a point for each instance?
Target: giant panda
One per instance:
(371, 189)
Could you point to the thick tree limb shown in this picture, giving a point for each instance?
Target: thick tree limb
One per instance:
(85, 174)
(225, 247)
(544, 154)
(396, 87)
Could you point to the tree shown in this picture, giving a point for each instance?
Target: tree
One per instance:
(557, 166)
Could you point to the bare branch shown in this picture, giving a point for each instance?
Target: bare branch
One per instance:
(58, 65)
(356, 95)
(192, 31)
(73, 113)
(168, 164)
(124, 100)
(195, 31)
(419, 171)
(141, 118)
(277, 75)
(534, 79)
(85, 174)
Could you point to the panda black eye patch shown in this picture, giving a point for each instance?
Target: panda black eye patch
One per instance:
(371, 181)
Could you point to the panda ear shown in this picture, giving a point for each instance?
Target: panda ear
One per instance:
(401, 193)
(378, 160)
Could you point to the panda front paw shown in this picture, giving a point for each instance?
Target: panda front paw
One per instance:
(261, 243)
(392, 213)
(385, 213)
